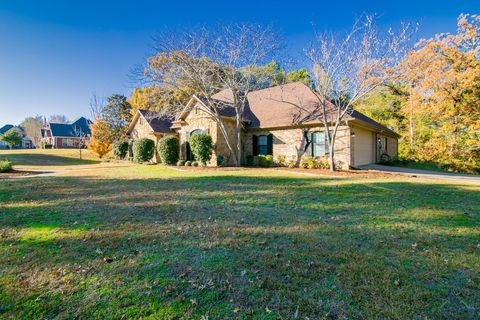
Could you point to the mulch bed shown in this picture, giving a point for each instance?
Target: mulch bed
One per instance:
(189, 168)
(321, 172)
(18, 173)
(343, 173)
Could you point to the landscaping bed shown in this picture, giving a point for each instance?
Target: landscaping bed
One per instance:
(343, 173)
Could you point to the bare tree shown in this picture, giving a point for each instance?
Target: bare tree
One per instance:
(58, 118)
(346, 69)
(211, 61)
(79, 133)
(96, 105)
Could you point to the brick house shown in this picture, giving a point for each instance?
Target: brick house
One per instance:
(274, 124)
(66, 135)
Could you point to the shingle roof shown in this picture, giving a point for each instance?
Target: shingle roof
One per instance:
(158, 122)
(71, 129)
(287, 105)
(5, 128)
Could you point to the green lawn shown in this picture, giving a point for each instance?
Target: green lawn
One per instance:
(149, 242)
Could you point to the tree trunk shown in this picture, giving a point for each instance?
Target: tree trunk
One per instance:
(331, 156)
(239, 141)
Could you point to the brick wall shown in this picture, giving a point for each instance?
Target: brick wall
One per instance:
(291, 143)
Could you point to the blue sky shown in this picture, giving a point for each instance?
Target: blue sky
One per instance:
(55, 54)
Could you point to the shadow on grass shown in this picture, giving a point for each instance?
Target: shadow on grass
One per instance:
(45, 160)
(237, 245)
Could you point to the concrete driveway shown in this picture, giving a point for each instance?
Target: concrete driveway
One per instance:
(455, 177)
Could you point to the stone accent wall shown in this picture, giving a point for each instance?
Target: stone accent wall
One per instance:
(291, 143)
(199, 119)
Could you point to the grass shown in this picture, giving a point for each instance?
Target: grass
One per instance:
(149, 242)
(48, 157)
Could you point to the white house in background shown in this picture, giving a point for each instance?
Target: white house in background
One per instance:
(26, 143)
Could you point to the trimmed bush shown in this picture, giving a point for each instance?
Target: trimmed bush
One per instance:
(322, 163)
(265, 161)
(194, 163)
(120, 149)
(5, 165)
(143, 150)
(220, 160)
(250, 160)
(308, 163)
(180, 163)
(282, 161)
(201, 146)
(168, 149)
(188, 163)
(292, 163)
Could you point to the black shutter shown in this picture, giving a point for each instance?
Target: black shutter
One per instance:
(270, 144)
(255, 145)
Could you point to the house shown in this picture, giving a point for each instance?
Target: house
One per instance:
(66, 135)
(281, 121)
(152, 125)
(4, 129)
(25, 143)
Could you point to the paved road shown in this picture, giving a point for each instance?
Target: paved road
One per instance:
(456, 177)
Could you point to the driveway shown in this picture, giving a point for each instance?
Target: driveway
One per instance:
(455, 177)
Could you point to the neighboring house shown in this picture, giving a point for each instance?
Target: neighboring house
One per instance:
(275, 125)
(66, 135)
(25, 143)
(4, 129)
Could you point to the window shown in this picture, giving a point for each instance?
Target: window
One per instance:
(197, 131)
(262, 145)
(319, 144)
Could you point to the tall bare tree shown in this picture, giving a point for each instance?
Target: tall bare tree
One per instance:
(344, 70)
(210, 61)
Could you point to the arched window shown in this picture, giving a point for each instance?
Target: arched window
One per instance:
(197, 131)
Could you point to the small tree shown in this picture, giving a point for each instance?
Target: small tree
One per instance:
(12, 137)
(168, 149)
(98, 147)
(143, 150)
(78, 132)
(202, 147)
(99, 141)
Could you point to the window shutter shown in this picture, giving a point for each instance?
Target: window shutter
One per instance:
(270, 144)
(255, 145)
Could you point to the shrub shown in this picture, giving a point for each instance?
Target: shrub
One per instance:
(323, 163)
(5, 165)
(292, 163)
(180, 163)
(249, 160)
(194, 163)
(265, 161)
(202, 147)
(220, 160)
(143, 150)
(188, 163)
(46, 145)
(282, 161)
(308, 163)
(168, 149)
(120, 149)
